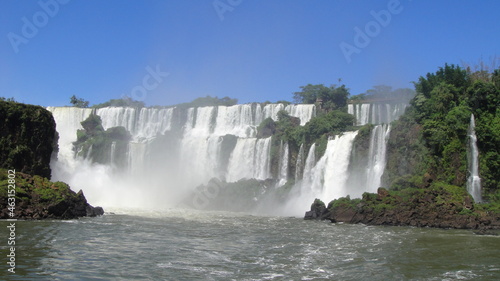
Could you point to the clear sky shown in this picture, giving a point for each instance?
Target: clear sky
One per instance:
(167, 52)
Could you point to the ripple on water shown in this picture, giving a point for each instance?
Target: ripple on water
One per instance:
(193, 245)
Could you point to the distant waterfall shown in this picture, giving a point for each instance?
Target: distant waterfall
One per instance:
(303, 111)
(174, 150)
(376, 113)
(299, 165)
(250, 159)
(67, 122)
(112, 152)
(377, 156)
(474, 181)
(283, 166)
(308, 167)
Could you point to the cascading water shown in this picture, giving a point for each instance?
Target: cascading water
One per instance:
(200, 151)
(474, 181)
(377, 158)
(303, 112)
(299, 165)
(112, 153)
(334, 167)
(174, 150)
(325, 179)
(309, 165)
(376, 113)
(283, 167)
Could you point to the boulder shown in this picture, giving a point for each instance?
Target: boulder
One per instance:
(318, 211)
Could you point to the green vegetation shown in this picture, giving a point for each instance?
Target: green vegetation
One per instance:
(39, 187)
(329, 98)
(332, 119)
(78, 102)
(430, 140)
(95, 143)
(426, 167)
(266, 128)
(38, 198)
(124, 102)
(7, 99)
(208, 101)
(343, 202)
(28, 138)
(439, 205)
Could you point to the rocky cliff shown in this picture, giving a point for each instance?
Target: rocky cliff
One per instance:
(28, 138)
(28, 141)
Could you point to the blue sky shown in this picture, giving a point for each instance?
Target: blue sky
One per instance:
(249, 50)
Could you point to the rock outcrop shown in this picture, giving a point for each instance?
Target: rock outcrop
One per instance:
(28, 142)
(318, 211)
(38, 198)
(441, 206)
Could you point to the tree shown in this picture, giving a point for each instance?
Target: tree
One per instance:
(123, 102)
(333, 97)
(7, 99)
(77, 102)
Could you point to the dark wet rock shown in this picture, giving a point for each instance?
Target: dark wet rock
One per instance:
(318, 211)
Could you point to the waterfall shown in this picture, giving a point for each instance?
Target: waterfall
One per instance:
(136, 158)
(309, 165)
(307, 176)
(377, 156)
(363, 114)
(329, 175)
(174, 150)
(250, 159)
(337, 154)
(473, 181)
(118, 116)
(271, 111)
(283, 166)
(376, 113)
(112, 152)
(325, 179)
(236, 120)
(68, 120)
(303, 111)
(299, 165)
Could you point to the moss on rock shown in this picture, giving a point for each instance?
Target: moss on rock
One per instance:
(38, 198)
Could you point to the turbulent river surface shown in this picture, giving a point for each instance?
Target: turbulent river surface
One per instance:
(193, 245)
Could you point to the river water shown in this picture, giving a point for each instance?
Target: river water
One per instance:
(195, 245)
